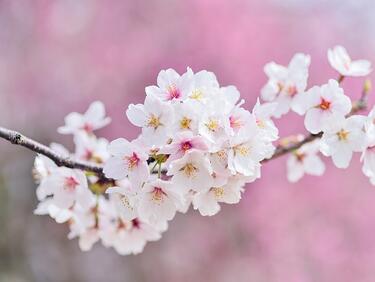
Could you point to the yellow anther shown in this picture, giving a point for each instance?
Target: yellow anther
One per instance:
(185, 123)
(342, 135)
(189, 170)
(218, 192)
(154, 121)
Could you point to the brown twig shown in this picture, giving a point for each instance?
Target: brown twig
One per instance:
(17, 138)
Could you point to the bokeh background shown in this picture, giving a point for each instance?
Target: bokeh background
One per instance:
(58, 56)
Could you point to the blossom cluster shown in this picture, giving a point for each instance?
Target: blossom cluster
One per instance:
(77, 198)
(200, 136)
(198, 146)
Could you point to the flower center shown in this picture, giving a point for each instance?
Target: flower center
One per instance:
(88, 154)
(197, 94)
(132, 161)
(324, 104)
(212, 125)
(88, 128)
(154, 121)
(189, 169)
(158, 195)
(235, 122)
(70, 184)
(342, 135)
(222, 155)
(120, 224)
(300, 157)
(218, 192)
(185, 123)
(292, 90)
(185, 146)
(242, 150)
(260, 123)
(173, 92)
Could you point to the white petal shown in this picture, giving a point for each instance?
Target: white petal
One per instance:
(206, 204)
(73, 122)
(360, 68)
(96, 111)
(314, 165)
(295, 170)
(139, 174)
(313, 120)
(115, 168)
(120, 148)
(136, 115)
(342, 158)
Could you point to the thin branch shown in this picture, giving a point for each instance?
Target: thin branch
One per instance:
(17, 138)
(281, 150)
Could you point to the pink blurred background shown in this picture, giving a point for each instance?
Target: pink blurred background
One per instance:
(58, 56)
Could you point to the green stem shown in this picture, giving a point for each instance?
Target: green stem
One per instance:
(159, 170)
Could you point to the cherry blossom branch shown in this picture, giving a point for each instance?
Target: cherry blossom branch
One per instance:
(17, 138)
(358, 106)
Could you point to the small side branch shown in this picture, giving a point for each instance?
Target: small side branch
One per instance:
(17, 138)
(281, 150)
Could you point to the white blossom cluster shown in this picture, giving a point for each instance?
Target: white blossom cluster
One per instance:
(198, 147)
(77, 198)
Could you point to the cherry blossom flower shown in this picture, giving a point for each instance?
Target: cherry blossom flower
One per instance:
(94, 118)
(226, 98)
(128, 160)
(342, 137)
(339, 60)
(159, 201)
(240, 118)
(191, 172)
(47, 207)
(82, 225)
(131, 237)
(204, 86)
(154, 117)
(183, 143)
(219, 161)
(319, 104)
(126, 200)
(90, 148)
(186, 116)
(215, 127)
(207, 202)
(68, 187)
(305, 160)
(285, 82)
(43, 167)
(171, 86)
(246, 152)
(262, 114)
